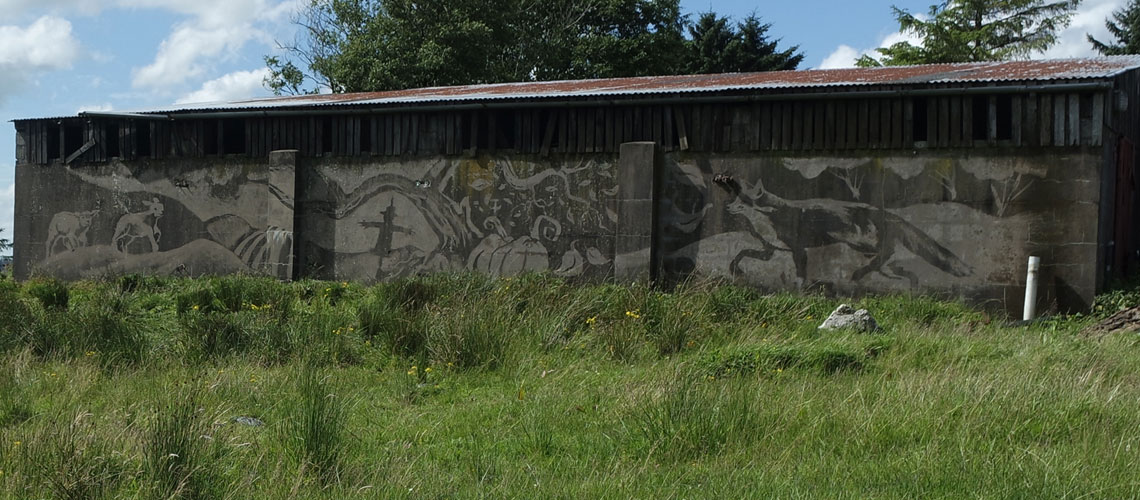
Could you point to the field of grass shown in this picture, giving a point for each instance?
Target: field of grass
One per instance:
(463, 386)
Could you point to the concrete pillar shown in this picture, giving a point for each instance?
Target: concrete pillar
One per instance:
(279, 214)
(635, 244)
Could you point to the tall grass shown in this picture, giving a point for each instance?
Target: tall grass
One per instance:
(467, 386)
(314, 433)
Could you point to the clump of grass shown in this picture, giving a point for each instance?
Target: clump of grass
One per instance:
(16, 318)
(178, 459)
(50, 292)
(314, 434)
(69, 459)
(694, 417)
(111, 328)
(823, 356)
(471, 338)
(15, 403)
(393, 316)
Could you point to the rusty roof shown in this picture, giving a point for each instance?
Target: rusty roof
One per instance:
(961, 73)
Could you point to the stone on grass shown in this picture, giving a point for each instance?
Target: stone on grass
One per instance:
(846, 317)
(250, 421)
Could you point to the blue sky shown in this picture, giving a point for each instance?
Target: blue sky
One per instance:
(58, 57)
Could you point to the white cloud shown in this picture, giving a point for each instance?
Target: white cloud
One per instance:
(44, 45)
(229, 87)
(95, 107)
(844, 56)
(188, 52)
(1088, 20)
(216, 30)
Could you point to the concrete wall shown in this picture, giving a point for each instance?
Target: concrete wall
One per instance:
(187, 217)
(501, 215)
(947, 223)
(960, 225)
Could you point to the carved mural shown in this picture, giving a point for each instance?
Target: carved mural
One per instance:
(848, 225)
(494, 215)
(843, 224)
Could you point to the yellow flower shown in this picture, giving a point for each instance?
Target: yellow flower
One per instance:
(449, 364)
(411, 372)
(779, 370)
(195, 307)
(591, 320)
(16, 443)
(89, 353)
(427, 370)
(633, 314)
(344, 284)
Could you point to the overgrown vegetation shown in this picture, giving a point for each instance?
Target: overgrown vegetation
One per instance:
(467, 386)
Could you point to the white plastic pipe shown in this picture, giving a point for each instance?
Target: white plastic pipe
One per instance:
(1031, 289)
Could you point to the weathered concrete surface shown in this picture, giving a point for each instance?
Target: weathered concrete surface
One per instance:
(948, 223)
(202, 216)
(501, 215)
(933, 223)
(634, 248)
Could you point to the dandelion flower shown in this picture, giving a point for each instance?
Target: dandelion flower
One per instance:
(591, 320)
(427, 370)
(195, 307)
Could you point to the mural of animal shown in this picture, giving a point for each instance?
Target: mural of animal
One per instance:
(139, 225)
(69, 230)
(798, 225)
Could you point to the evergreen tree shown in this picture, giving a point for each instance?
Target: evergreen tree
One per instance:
(1125, 28)
(977, 30)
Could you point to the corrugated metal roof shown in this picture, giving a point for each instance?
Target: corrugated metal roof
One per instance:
(963, 73)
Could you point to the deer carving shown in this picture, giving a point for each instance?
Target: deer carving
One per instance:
(68, 230)
(139, 225)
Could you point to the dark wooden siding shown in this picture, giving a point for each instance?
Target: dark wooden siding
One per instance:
(956, 121)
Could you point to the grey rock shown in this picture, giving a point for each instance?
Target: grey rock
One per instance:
(846, 317)
(250, 421)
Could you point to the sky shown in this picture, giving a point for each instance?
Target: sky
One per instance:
(60, 57)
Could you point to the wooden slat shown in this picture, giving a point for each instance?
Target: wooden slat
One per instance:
(1015, 124)
(775, 126)
(1097, 126)
(957, 131)
(1045, 120)
(1030, 135)
(798, 120)
(535, 131)
(667, 123)
(493, 130)
(548, 133)
(908, 123)
(1059, 119)
(583, 133)
(611, 137)
(518, 139)
(589, 119)
(1073, 133)
(824, 114)
(682, 131)
(931, 122)
(840, 134)
(787, 127)
(864, 125)
(943, 122)
(874, 131)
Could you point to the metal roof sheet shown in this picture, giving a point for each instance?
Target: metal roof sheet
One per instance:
(961, 73)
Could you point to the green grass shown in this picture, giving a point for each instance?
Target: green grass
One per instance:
(465, 386)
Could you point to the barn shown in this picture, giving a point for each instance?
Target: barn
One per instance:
(936, 179)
